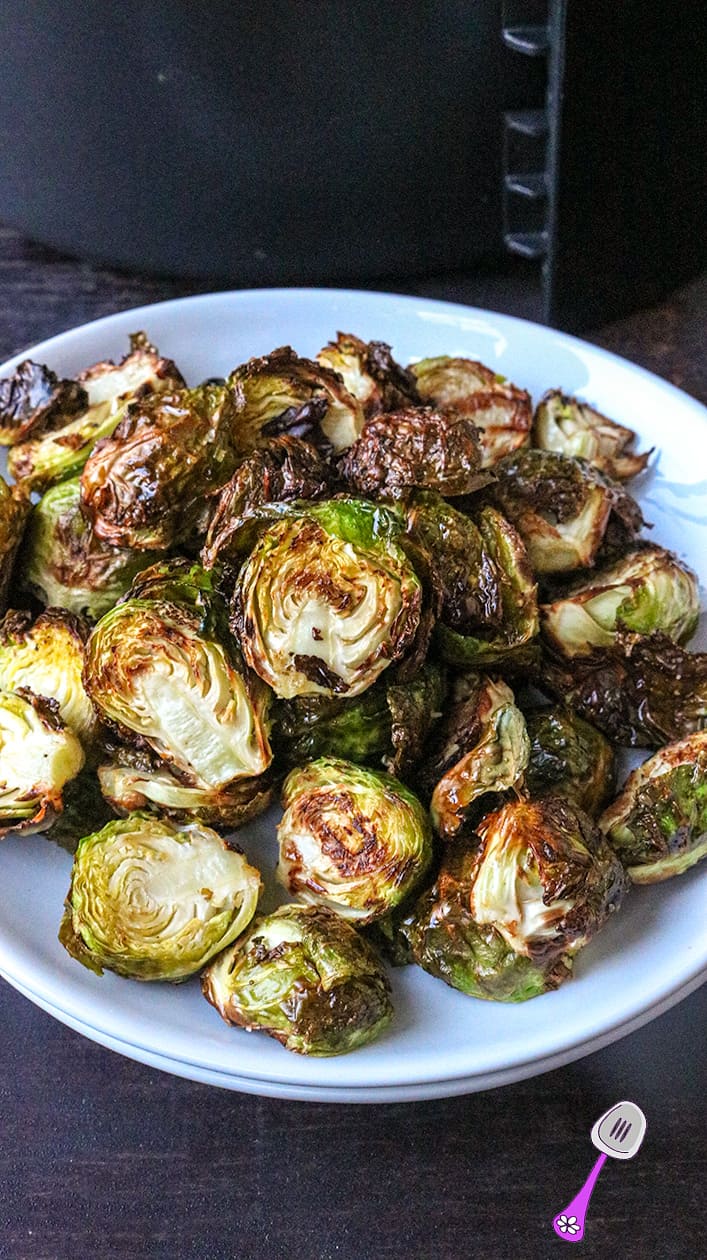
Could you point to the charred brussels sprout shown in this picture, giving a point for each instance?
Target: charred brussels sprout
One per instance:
(569, 758)
(386, 725)
(281, 393)
(351, 839)
(563, 508)
(284, 469)
(440, 934)
(14, 509)
(658, 824)
(489, 597)
(482, 748)
(643, 691)
(63, 562)
(545, 878)
(146, 486)
(47, 656)
(61, 452)
(418, 447)
(327, 599)
(33, 400)
(646, 590)
(38, 757)
(304, 976)
(154, 901)
(161, 667)
(132, 783)
(370, 373)
(500, 411)
(571, 427)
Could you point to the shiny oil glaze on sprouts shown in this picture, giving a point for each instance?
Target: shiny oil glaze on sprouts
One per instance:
(419, 612)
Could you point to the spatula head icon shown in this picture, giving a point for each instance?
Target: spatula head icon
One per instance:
(620, 1131)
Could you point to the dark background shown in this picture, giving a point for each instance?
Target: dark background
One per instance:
(104, 1158)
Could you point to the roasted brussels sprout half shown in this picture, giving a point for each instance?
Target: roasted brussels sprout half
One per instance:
(643, 691)
(47, 657)
(501, 412)
(155, 901)
(658, 824)
(415, 448)
(281, 393)
(161, 667)
(489, 597)
(370, 373)
(327, 599)
(141, 786)
(441, 935)
(64, 564)
(146, 486)
(38, 757)
(386, 725)
(14, 509)
(646, 590)
(354, 840)
(571, 427)
(33, 400)
(545, 878)
(481, 748)
(62, 452)
(304, 976)
(562, 508)
(570, 758)
(284, 469)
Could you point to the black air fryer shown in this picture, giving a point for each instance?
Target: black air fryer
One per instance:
(325, 142)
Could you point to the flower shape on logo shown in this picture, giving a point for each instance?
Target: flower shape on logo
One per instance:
(567, 1224)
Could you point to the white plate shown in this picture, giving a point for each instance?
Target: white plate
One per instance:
(648, 957)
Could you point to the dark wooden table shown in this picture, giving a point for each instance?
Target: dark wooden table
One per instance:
(101, 1157)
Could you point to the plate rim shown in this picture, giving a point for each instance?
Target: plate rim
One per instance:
(421, 1091)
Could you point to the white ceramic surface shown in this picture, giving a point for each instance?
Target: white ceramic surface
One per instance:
(441, 1042)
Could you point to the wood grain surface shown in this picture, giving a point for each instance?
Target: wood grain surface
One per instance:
(106, 1159)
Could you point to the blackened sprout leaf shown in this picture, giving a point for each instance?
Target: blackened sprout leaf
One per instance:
(33, 400)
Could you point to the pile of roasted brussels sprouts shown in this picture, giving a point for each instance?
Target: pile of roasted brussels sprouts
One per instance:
(421, 613)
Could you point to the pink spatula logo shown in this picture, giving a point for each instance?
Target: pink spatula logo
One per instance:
(618, 1133)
